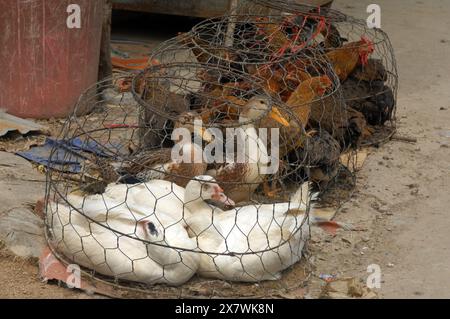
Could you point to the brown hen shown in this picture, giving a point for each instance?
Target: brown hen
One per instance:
(346, 58)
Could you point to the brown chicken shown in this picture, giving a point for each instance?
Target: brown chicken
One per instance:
(344, 124)
(345, 59)
(271, 78)
(365, 91)
(301, 99)
(273, 32)
(221, 104)
(332, 37)
(374, 70)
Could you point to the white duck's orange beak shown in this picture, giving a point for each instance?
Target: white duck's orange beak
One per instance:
(276, 115)
(220, 197)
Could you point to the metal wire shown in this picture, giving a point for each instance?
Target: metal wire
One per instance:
(114, 126)
(119, 204)
(375, 97)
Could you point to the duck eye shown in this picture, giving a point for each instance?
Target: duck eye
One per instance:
(152, 229)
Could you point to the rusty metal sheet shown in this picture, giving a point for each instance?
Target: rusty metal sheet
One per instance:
(45, 65)
(10, 123)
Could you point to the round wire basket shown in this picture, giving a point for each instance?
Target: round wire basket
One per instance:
(116, 208)
(305, 82)
(371, 85)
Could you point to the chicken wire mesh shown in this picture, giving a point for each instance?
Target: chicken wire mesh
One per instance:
(369, 86)
(304, 81)
(123, 208)
(136, 231)
(294, 72)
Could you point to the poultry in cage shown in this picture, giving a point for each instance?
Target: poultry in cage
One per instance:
(251, 243)
(300, 102)
(366, 91)
(146, 165)
(364, 79)
(345, 124)
(303, 102)
(102, 234)
(321, 158)
(241, 179)
(346, 58)
(219, 236)
(153, 197)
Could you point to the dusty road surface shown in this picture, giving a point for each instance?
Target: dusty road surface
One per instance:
(403, 191)
(402, 201)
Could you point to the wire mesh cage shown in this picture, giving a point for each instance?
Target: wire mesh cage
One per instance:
(218, 98)
(317, 103)
(135, 218)
(198, 171)
(369, 85)
(304, 81)
(294, 72)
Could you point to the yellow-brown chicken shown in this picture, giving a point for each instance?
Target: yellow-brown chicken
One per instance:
(281, 80)
(271, 78)
(301, 99)
(346, 58)
(276, 38)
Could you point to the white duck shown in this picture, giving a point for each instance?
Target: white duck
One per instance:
(91, 242)
(154, 197)
(252, 243)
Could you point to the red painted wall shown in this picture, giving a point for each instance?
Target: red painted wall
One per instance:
(44, 65)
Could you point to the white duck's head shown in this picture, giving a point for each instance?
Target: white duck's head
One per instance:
(203, 188)
(257, 107)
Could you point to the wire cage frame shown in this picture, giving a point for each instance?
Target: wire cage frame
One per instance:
(285, 72)
(289, 7)
(370, 88)
(326, 108)
(218, 96)
(121, 233)
(338, 128)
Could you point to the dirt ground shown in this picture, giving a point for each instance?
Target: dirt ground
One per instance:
(403, 191)
(19, 279)
(402, 199)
